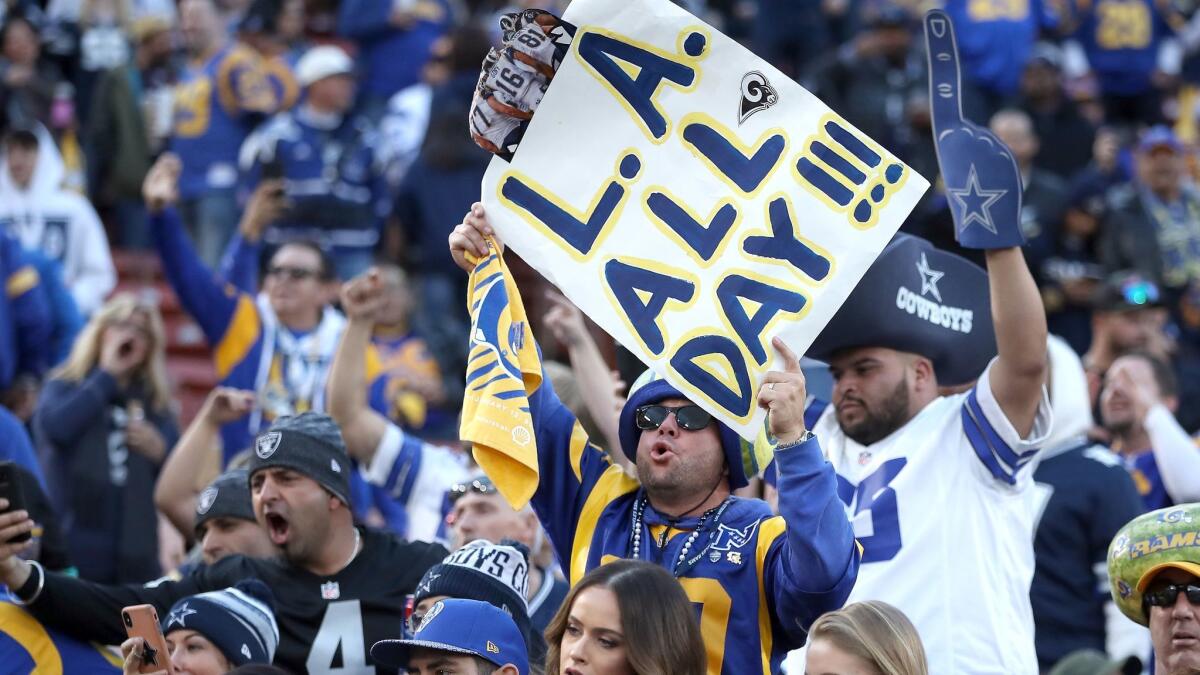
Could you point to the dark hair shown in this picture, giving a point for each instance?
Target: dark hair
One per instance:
(662, 634)
(325, 268)
(15, 18)
(469, 46)
(259, 669)
(1164, 376)
(21, 137)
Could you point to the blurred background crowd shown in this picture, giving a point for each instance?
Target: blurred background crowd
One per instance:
(342, 122)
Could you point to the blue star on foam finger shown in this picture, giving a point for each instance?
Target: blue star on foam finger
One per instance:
(975, 202)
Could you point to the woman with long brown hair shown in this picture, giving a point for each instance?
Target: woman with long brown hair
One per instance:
(865, 638)
(628, 617)
(106, 417)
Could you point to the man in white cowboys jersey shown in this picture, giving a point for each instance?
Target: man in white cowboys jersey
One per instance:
(938, 487)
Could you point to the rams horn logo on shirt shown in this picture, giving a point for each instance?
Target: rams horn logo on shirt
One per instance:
(267, 444)
(757, 95)
(206, 500)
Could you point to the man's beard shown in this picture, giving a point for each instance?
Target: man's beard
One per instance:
(875, 427)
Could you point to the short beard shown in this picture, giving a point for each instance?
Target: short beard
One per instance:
(689, 481)
(1120, 429)
(874, 427)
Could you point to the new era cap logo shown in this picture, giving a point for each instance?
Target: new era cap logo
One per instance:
(246, 651)
(267, 444)
(491, 647)
(205, 502)
(334, 466)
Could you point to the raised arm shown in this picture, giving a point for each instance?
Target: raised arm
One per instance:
(1019, 375)
(362, 427)
(984, 190)
(592, 375)
(202, 294)
(198, 453)
(813, 560)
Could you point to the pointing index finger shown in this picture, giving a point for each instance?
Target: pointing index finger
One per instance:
(791, 363)
(945, 81)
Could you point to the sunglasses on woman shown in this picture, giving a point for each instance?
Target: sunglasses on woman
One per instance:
(689, 417)
(1165, 596)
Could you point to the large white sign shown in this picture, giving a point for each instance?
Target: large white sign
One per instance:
(693, 201)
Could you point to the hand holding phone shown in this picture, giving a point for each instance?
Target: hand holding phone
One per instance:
(11, 491)
(141, 622)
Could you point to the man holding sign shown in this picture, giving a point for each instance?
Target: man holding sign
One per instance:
(760, 580)
(938, 487)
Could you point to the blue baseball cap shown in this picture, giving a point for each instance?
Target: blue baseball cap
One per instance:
(1159, 137)
(467, 627)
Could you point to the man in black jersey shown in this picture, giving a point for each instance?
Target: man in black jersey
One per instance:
(339, 589)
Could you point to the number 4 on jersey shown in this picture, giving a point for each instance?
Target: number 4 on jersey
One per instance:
(877, 500)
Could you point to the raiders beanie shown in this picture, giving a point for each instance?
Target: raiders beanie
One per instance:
(226, 497)
(310, 443)
(239, 620)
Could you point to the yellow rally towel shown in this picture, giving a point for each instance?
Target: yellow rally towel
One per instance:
(503, 369)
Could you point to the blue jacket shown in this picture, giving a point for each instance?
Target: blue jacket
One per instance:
(392, 57)
(333, 177)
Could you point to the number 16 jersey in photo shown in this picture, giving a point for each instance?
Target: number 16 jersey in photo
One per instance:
(944, 513)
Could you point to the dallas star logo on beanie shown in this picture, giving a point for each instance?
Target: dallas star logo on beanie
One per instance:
(267, 444)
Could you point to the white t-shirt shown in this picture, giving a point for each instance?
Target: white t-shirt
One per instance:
(945, 514)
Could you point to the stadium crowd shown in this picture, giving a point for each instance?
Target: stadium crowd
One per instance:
(235, 354)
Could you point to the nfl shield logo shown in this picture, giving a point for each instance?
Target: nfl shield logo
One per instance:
(267, 444)
(330, 591)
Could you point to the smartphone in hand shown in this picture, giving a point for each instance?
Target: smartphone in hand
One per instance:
(141, 621)
(10, 489)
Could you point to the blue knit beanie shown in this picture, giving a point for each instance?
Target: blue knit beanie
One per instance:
(239, 620)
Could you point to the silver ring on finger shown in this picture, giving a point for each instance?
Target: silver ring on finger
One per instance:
(771, 386)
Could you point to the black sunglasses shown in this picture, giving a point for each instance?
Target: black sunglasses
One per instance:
(480, 486)
(689, 417)
(292, 273)
(1165, 596)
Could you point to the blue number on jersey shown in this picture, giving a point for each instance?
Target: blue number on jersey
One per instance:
(874, 495)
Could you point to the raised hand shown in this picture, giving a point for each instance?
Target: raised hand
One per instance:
(983, 184)
(783, 395)
(470, 240)
(363, 296)
(160, 189)
(225, 405)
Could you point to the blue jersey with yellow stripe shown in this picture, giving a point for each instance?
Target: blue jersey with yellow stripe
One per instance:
(217, 102)
(995, 38)
(762, 579)
(26, 646)
(1122, 38)
(245, 339)
(1148, 480)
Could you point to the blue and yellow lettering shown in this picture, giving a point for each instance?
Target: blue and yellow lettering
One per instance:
(745, 168)
(785, 244)
(580, 231)
(699, 359)
(641, 294)
(601, 53)
(847, 173)
(770, 301)
(702, 240)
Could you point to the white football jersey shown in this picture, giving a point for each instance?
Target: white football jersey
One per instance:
(417, 475)
(945, 514)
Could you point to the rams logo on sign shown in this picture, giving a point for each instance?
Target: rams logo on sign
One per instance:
(205, 502)
(757, 95)
(267, 444)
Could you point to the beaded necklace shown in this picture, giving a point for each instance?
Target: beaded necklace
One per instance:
(683, 564)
